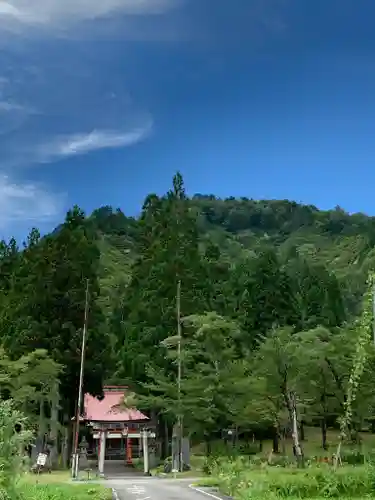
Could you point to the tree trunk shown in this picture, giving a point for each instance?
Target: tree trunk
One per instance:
(207, 439)
(42, 425)
(276, 440)
(165, 444)
(54, 428)
(292, 409)
(323, 426)
(65, 448)
(163, 436)
(283, 442)
(302, 430)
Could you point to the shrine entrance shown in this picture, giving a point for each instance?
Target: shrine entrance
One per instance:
(118, 435)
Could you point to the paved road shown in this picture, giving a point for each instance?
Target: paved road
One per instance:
(158, 489)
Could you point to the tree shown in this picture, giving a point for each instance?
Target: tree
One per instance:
(46, 305)
(323, 359)
(12, 446)
(276, 363)
(212, 377)
(262, 296)
(168, 252)
(316, 294)
(364, 337)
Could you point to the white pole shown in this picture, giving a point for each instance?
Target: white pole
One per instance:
(145, 451)
(80, 387)
(179, 376)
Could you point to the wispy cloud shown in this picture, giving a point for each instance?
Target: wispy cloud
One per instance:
(26, 201)
(55, 12)
(79, 144)
(42, 121)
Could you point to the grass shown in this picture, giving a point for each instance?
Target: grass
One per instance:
(237, 478)
(250, 478)
(56, 486)
(56, 477)
(64, 492)
(312, 445)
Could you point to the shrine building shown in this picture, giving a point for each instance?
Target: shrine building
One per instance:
(116, 430)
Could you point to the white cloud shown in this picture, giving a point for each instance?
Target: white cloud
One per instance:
(55, 12)
(26, 201)
(79, 144)
(8, 106)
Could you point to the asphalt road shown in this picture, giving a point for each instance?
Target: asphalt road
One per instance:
(159, 489)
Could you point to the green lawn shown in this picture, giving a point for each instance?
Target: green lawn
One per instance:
(64, 492)
(57, 486)
(56, 477)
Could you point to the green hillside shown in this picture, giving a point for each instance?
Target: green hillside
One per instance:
(269, 292)
(241, 227)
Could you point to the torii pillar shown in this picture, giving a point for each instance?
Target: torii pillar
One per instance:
(102, 444)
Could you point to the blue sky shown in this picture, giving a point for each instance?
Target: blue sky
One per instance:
(101, 101)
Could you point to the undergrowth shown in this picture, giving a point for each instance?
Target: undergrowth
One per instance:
(237, 478)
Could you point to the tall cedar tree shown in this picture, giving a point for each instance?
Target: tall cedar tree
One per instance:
(317, 295)
(262, 296)
(168, 252)
(47, 305)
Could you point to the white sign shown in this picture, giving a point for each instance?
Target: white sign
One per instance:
(41, 460)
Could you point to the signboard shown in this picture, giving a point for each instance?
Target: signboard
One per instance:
(41, 460)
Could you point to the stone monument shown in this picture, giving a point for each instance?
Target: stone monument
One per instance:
(83, 462)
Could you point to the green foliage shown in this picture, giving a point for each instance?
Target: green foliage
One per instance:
(270, 295)
(12, 446)
(64, 492)
(43, 305)
(29, 381)
(167, 253)
(236, 477)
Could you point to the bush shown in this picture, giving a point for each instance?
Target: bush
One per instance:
(248, 448)
(238, 477)
(12, 447)
(354, 457)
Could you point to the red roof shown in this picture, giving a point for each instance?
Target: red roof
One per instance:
(109, 409)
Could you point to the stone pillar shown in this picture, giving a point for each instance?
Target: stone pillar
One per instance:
(145, 452)
(186, 452)
(175, 450)
(102, 443)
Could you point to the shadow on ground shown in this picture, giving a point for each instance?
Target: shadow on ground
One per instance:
(115, 469)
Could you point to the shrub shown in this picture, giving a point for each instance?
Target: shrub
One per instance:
(353, 457)
(12, 447)
(238, 477)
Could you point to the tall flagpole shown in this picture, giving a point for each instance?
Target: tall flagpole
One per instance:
(179, 374)
(80, 387)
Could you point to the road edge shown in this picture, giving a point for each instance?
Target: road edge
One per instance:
(207, 493)
(115, 494)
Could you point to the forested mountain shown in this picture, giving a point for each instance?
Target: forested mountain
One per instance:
(240, 228)
(264, 285)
